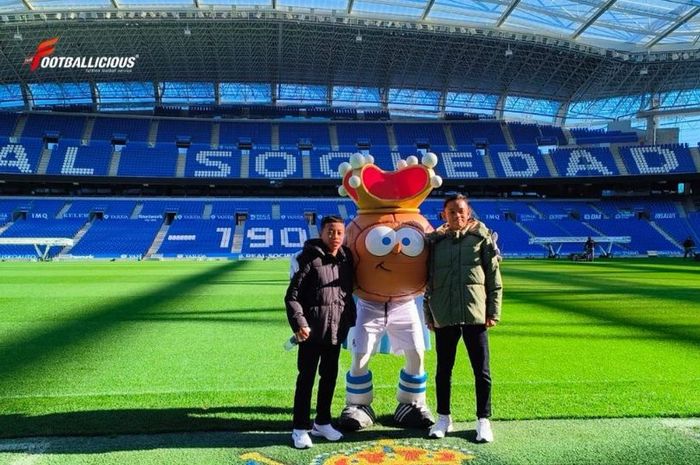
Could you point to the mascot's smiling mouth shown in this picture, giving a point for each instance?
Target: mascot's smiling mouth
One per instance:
(381, 265)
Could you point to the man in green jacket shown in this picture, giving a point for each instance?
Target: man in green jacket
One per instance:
(462, 300)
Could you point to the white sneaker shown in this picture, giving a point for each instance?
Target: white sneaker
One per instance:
(326, 431)
(301, 439)
(483, 430)
(442, 426)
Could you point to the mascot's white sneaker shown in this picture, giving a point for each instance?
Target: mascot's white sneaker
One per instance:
(326, 431)
(301, 439)
(483, 430)
(441, 427)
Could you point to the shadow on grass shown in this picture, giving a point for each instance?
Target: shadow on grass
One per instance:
(45, 345)
(95, 432)
(679, 333)
(142, 421)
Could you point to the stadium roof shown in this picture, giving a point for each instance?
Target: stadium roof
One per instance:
(620, 24)
(557, 50)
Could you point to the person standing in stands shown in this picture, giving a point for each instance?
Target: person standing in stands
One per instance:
(688, 246)
(321, 311)
(462, 301)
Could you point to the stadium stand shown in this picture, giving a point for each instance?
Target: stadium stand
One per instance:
(349, 134)
(233, 133)
(70, 158)
(21, 157)
(601, 136)
(658, 159)
(524, 162)
(133, 129)
(198, 132)
(293, 134)
(138, 159)
(473, 133)
(196, 228)
(38, 125)
(411, 134)
(525, 134)
(8, 121)
(589, 161)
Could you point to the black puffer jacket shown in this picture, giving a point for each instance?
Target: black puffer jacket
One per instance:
(320, 293)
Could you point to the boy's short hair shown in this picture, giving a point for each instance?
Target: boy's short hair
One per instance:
(331, 219)
(452, 197)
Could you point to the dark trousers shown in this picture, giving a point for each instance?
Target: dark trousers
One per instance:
(310, 354)
(476, 340)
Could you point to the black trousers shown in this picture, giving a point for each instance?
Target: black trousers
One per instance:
(476, 340)
(310, 354)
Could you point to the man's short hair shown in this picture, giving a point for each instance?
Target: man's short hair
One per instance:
(452, 197)
(331, 219)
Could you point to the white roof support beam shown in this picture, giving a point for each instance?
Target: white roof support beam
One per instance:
(428, 7)
(350, 4)
(676, 24)
(507, 12)
(593, 18)
(28, 4)
(196, 3)
(115, 4)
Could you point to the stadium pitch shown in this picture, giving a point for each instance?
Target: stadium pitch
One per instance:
(597, 362)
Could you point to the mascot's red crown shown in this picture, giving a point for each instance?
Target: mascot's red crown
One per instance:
(374, 190)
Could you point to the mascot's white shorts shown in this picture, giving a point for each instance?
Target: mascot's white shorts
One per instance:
(401, 321)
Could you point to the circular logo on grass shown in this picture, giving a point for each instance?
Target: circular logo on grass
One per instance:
(382, 452)
(387, 452)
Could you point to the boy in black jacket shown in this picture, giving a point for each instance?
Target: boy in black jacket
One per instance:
(321, 311)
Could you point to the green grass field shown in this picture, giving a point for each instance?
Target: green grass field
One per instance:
(105, 348)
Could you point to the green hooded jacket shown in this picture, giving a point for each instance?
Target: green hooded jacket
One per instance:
(464, 278)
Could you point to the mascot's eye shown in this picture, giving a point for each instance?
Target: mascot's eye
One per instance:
(380, 240)
(411, 241)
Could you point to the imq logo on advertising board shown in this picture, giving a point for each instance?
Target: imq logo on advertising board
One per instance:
(45, 58)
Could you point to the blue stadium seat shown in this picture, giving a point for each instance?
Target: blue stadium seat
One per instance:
(589, 161)
(70, 127)
(351, 133)
(135, 129)
(274, 238)
(411, 133)
(658, 159)
(137, 159)
(524, 134)
(204, 162)
(473, 131)
(198, 132)
(260, 134)
(291, 133)
(275, 164)
(523, 162)
(192, 238)
(117, 238)
(21, 157)
(72, 159)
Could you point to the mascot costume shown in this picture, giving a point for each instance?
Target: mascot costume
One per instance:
(387, 239)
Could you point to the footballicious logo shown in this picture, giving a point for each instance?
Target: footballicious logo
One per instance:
(43, 59)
